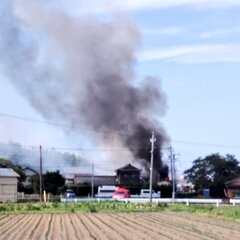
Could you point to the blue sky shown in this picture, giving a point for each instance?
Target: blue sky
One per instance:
(192, 46)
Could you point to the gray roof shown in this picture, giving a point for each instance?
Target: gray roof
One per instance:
(8, 172)
(128, 168)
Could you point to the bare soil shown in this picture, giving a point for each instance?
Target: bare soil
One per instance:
(118, 226)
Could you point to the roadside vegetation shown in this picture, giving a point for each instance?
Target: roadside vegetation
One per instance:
(79, 207)
(232, 212)
(209, 210)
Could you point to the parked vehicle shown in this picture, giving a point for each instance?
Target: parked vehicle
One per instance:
(121, 193)
(105, 191)
(145, 193)
(69, 194)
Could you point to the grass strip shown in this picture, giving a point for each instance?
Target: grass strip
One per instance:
(226, 211)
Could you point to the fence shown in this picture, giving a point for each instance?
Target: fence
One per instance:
(187, 201)
(22, 197)
(234, 201)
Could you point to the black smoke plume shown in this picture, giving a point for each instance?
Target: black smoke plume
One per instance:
(81, 71)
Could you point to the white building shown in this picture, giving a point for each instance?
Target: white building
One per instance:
(8, 185)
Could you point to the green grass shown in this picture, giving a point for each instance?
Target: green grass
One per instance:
(230, 212)
(79, 207)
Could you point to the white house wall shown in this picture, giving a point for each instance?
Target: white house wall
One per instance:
(8, 189)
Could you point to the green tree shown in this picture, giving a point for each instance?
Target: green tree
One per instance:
(52, 181)
(212, 172)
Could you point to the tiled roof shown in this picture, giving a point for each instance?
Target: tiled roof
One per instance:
(73, 175)
(7, 172)
(129, 168)
(233, 183)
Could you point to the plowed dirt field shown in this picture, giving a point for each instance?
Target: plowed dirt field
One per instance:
(159, 225)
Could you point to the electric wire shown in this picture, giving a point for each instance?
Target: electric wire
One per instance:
(205, 144)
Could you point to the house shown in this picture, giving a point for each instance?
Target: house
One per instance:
(29, 172)
(128, 175)
(8, 185)
(233, 188)
(86, 178)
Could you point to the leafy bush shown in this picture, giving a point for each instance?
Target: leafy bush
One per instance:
(92, 208)
(223, 211)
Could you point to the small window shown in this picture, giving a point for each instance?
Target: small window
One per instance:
(107, 191)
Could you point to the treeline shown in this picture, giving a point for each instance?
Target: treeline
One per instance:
(29, 157)
(212, 172)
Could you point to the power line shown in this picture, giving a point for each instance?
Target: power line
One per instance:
(206, 144)
(35, 147)
(31, 119)
(59, 124)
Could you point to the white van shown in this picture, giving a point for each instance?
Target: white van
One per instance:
(145, 193)
(105, 191)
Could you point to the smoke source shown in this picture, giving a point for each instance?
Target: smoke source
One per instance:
(80, 71)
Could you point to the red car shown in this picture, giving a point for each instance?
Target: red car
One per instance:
(121, 193)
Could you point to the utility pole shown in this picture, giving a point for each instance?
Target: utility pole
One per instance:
(40, 174)
(92, 180)
(172, 160)
(152, 140)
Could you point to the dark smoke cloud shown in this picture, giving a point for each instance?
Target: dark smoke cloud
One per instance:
(81, 71)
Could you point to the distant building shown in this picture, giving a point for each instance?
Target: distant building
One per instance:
(128, 175)
(86, 178)
(233, 188)
(8, 185)
(29, 172)
(184, 186)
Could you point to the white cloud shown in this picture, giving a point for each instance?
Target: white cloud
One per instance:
(164, 31)
(220, 32)
(158, 4)
(196, 54)
(103, 6)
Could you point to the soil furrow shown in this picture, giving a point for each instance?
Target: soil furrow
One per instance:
(223, 223)
(105, 220)
(93, 228)
(142, 229)
(162, 229)
(55, 230)
(108, 230)
(201, 225)
(12, 226)
(24, 228)
(6, 220)
(70, 219)
(81, 230)
(117, 226)
(41, 230)
(186, 232)
(127, 231)
(34, 227)
(68, 230)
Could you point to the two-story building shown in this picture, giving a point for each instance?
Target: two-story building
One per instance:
(128, 175)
